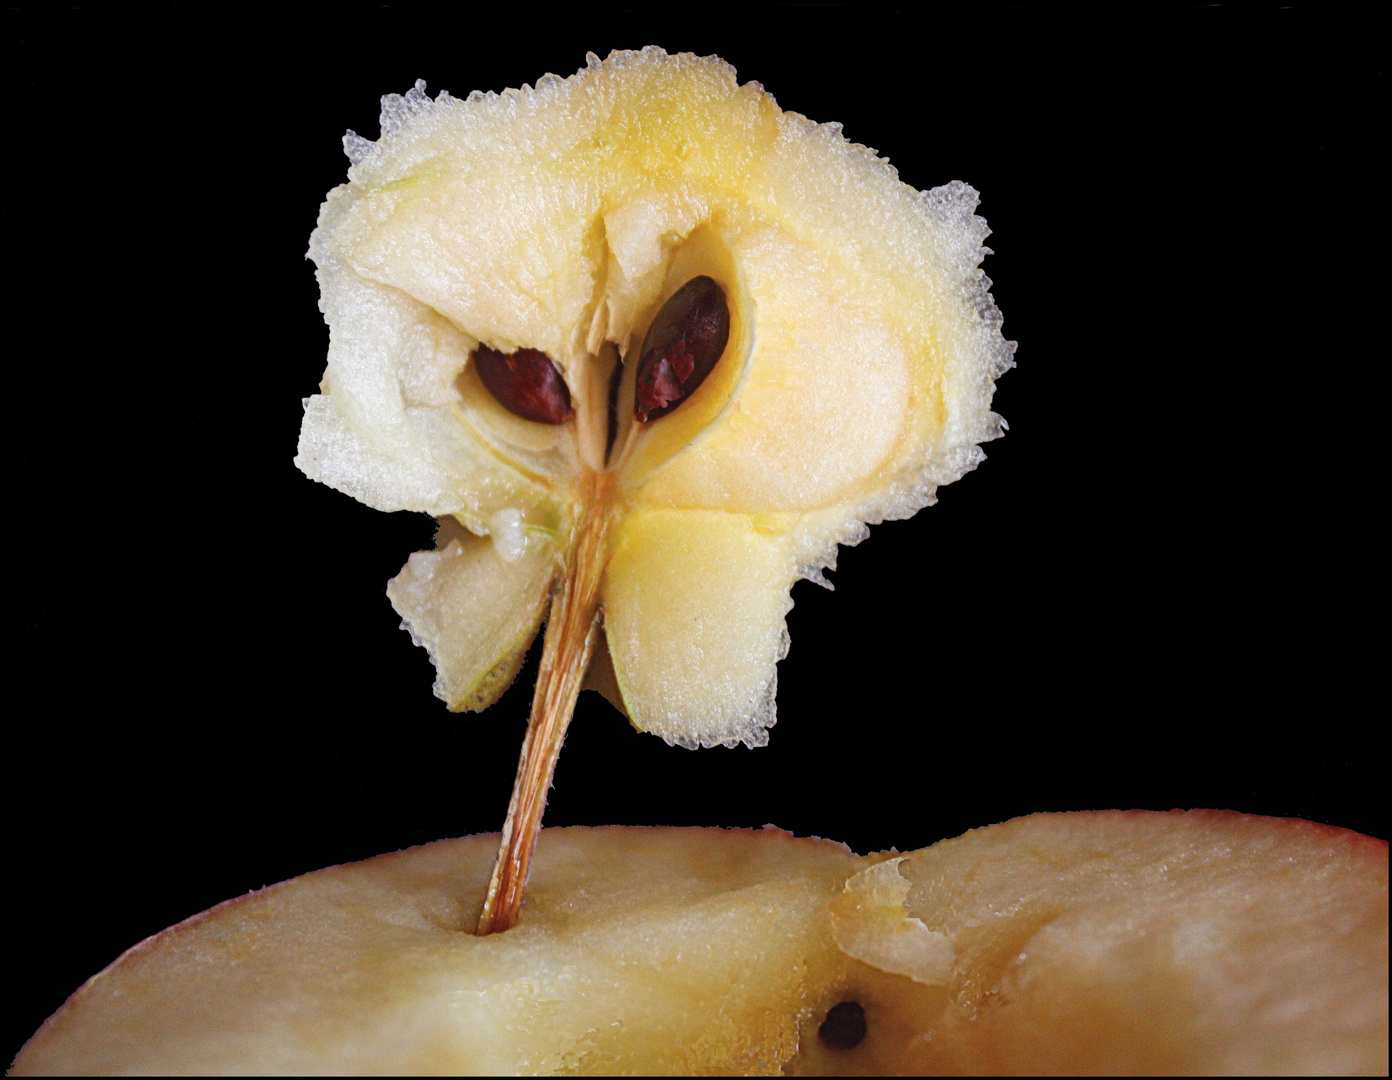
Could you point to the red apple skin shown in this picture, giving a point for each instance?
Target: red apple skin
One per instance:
(1100, 992)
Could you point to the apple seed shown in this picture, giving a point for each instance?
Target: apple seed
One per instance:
(681, 347)
(844, 1026)
(525, 383)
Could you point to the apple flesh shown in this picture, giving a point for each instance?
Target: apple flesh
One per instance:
(650, 349)
(1100, 942)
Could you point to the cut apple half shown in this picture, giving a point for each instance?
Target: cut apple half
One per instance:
(692, 341)
(1115, 943)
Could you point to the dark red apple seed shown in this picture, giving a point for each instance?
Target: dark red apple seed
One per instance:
(681, 347)
(525, 383)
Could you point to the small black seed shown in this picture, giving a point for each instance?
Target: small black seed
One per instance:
(844, 1026)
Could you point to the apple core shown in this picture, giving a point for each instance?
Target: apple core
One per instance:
(518, 284)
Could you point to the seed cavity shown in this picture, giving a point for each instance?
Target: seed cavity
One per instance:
(615, 381)
(681, 347)
(525, 383)
(844, 1026)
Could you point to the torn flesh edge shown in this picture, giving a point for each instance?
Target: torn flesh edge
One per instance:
(754, 730)
(440, 689)
(973, 369)
(870, 923)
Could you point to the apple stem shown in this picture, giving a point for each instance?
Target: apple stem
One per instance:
(571, 631)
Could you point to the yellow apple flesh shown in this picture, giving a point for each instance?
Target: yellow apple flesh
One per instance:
(1058, 943)
(856, 380)
(558, 236)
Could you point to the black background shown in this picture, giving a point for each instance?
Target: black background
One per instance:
(1159, 591)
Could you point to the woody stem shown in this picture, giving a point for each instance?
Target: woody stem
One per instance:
(571, 630)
